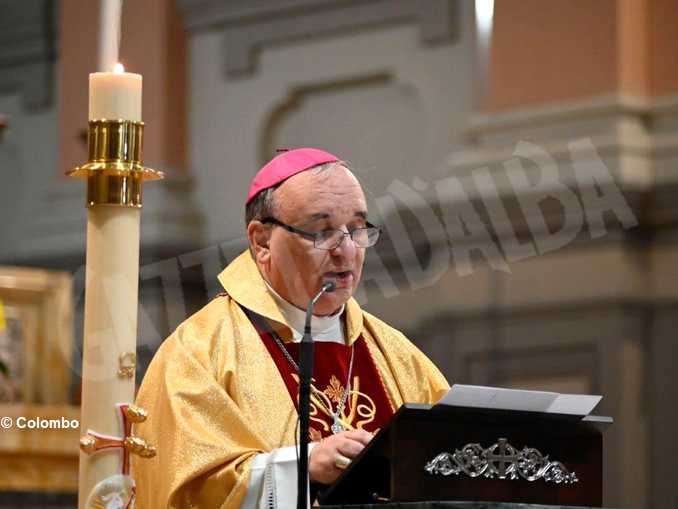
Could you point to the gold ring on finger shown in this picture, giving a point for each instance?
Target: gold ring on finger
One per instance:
(342, 462)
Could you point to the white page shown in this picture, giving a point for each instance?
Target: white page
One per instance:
(513, 399)
(574, 404)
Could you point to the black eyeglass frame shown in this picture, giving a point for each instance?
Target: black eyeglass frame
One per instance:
(315, 235)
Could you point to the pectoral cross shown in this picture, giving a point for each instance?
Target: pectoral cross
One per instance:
(94, 442)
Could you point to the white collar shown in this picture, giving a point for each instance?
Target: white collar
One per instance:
(325, 328)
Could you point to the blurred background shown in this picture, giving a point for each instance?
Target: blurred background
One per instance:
(522, 156)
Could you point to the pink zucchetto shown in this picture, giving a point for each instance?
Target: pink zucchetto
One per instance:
(284, 165)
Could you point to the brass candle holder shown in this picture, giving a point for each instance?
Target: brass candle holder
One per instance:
(115, 170)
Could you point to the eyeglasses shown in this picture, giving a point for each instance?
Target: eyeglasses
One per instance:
(332, 239)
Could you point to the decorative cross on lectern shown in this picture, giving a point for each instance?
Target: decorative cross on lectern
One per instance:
(504, 462)
(94, 442)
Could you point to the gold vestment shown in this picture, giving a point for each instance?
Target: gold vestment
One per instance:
(215, 398)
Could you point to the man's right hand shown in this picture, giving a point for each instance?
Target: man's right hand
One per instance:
(322, 463)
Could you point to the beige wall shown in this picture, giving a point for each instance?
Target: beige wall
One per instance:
(568, 50)
(544, 52)
(663, 38)
(77, 39)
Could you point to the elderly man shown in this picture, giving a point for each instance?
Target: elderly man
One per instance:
(221, 391)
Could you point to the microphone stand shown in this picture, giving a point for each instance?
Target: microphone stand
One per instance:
(305, 374)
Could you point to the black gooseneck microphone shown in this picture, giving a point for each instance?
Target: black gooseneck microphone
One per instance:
(305, 374)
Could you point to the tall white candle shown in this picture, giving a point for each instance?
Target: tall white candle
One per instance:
(112, 272)
(110, 329)
(115, 95)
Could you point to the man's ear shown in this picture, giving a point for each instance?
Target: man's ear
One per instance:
(259, 236)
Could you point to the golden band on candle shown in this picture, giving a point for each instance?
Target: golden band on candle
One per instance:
(121, 189)
(115, 170)
(115, 140)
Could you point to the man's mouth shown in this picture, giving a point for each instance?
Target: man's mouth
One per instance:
(342, 279)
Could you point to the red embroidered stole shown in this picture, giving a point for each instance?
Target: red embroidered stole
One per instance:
(367, 406)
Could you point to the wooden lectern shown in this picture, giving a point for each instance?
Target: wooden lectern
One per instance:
(446, 453)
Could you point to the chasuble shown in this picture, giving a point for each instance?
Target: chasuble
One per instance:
(221, 394)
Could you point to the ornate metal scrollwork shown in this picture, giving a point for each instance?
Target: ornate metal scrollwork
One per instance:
(500, 461)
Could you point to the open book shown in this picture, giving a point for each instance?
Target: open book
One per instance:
(513, 399)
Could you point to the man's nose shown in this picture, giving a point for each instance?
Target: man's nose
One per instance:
(345, 248)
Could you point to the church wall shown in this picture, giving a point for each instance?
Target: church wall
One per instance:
(357, 91)
(26, 168)
(577, 39)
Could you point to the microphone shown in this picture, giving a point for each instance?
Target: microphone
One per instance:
(305, 374)
(327, 287)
